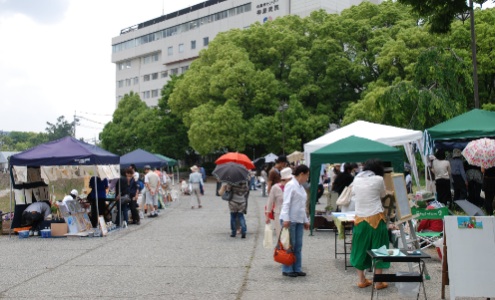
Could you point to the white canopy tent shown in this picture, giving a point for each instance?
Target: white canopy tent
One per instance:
(388, 135)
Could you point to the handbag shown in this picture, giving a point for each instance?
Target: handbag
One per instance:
(268, 238)
(125, 199)
(227, 195)
(283, 256)
(345, 197)
(271, 214)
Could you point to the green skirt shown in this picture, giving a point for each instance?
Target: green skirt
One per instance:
(365, 238)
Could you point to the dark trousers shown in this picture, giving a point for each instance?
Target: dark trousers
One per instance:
(94, 214)
(474, 190)
(219, 185)
(489, 188)
(460, 191)
(32, 218)
(443, 191)
(125, 212)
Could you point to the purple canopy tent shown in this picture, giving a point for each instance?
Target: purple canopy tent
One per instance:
(66, 151)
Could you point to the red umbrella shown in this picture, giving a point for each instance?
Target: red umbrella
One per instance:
(236, 157)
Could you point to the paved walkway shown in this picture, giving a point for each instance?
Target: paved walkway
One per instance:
(183, 254)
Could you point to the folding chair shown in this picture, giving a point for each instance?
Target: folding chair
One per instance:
(426, 239)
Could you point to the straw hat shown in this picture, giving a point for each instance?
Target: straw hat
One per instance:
(286, 173)
(194, 168)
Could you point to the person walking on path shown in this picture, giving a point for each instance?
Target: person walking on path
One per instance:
(152, 184)
(293, 216)
(237, 206)
(276, 198)
(195, 182)
(274, 174)
(370, 228)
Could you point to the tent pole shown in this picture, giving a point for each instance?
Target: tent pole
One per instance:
(96, 197)
(121, 215)
(10, 213)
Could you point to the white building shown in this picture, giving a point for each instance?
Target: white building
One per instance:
(145, 55)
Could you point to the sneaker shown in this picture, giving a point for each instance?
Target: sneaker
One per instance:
(35, 233)
(301, 273)
(31, 233)
(141, 214)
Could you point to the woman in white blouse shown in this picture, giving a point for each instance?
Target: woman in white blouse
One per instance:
(370, 228)
(293, 216)
(276, 198)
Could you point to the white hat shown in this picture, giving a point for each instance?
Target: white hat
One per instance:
(194, 168)
(286, 173)
(74, 192)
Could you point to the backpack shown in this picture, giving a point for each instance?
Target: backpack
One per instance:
(140, 184)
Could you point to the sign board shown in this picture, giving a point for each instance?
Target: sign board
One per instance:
(470, 256)
(403, 209)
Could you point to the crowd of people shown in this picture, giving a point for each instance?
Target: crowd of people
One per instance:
(466, 181)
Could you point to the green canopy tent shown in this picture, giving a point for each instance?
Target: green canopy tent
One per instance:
(350, 149)
(170, 161)
(458, 131)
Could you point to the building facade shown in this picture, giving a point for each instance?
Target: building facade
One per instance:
(147, 54)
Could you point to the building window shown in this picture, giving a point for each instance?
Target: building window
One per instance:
(120, 83)
(181, 48)
(146, 94)
(124, 65)
(170, 50)
(206, 41)
(174, 71)
(150, 58)
(128, 82)
(146, 78)
(136, 80)
(184, 69)
(154, 93)
(164, 74)
(193, 44)
(154, 76)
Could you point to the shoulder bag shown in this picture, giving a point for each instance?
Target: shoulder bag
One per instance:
(227, 195)
(345, 197)
(283, 256)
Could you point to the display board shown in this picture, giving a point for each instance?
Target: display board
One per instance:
(470, 247)
(403, 209)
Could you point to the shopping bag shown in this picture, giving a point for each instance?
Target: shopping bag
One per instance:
(283, 254)
(268, 240)
(345, 197)
(285, 238)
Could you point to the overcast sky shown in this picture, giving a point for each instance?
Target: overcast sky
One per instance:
(55, 59)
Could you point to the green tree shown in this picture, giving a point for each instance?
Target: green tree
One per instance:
(60, 129)
(126, 132)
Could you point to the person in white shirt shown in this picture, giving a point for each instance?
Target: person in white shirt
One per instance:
(276, 198)
(293, 216)
(441, 169)
(370, 228)
(195, 181)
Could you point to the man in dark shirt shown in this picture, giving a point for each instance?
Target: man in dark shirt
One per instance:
(274, 174)
(343, 179)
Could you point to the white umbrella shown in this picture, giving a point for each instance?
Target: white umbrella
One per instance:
(270, 158)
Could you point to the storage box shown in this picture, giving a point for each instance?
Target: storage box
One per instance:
(59, 229)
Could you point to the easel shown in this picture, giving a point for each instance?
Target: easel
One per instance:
(400, 203)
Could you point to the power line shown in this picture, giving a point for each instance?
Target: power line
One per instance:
(84, 118)
(95, 114)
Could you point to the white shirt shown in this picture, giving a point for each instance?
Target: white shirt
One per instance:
(368, 190)
(441, 168)
(294, 205)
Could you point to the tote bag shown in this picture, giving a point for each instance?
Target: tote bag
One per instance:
(345, 198)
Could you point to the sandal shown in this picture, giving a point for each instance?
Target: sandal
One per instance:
(364, 284)
(381, 285)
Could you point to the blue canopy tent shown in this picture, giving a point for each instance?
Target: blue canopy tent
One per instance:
(141, 158)
(66, 157)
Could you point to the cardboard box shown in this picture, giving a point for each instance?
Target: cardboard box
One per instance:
(59, 229)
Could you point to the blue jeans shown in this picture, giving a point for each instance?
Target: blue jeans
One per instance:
(242, 222)
(296, 239)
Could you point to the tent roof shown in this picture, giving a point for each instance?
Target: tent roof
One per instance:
(388, 135)
(356, 149)
(66, 151)
(141, 158)
(476, 123)
(170, 161)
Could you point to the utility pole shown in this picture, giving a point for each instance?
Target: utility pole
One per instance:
(473, 55)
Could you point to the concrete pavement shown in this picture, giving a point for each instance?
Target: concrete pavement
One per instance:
(183, 254)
